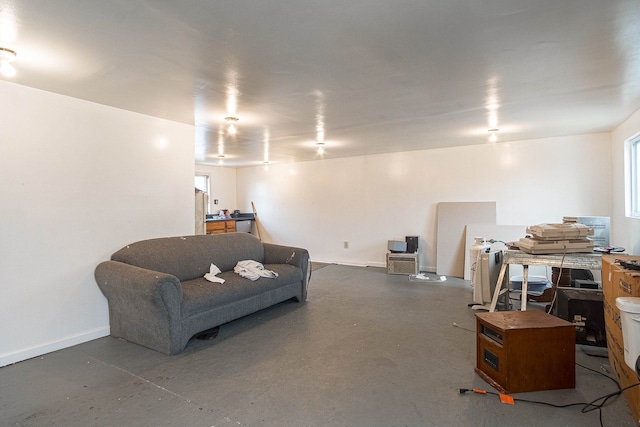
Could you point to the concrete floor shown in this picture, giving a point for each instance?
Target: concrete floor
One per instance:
(366, 349)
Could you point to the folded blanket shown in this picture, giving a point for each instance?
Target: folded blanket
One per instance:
(252, 270)
(211, 275)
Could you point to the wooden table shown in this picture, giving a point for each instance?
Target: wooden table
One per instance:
(586, 261)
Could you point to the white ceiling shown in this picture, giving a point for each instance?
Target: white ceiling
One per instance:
(376, 75)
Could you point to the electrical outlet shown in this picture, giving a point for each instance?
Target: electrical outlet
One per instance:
(346, 244)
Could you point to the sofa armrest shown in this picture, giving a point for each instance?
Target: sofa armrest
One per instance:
(279, 254)
(117, 279)
(144, 305)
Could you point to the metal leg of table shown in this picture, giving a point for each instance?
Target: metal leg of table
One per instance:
(525, 286)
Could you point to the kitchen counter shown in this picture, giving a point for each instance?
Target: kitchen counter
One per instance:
(229, 219)
(217, 225)
(240, 217)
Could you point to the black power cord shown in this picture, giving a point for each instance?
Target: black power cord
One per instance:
(598, 403)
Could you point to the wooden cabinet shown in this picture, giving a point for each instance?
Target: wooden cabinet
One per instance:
(215, 227)
(219, 227)
(521, 351)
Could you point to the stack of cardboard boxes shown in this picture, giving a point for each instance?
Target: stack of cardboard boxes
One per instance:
(620, 282)
(557, 238)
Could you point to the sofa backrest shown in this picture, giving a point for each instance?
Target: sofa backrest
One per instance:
(190, 257)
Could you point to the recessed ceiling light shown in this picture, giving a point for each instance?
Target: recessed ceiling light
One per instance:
(232, 124)
(7, 54)
(6, 57)
(493, 134)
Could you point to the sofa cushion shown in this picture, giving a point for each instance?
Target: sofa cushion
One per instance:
(200, 295)
(189, 257)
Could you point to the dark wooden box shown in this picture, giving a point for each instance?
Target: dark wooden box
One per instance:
(521, 351)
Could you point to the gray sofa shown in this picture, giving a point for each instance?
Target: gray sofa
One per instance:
(159, 298)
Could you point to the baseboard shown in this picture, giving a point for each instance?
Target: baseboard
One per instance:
(48, 347)
(351, 264)
(367, 264)
(376, 264)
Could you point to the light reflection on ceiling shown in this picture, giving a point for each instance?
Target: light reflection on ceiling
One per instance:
(492, 105)
(320, 121)
(8, 25)
(266, 146)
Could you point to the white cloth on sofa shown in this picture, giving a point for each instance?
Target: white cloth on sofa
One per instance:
(211, 275)
(253, 270)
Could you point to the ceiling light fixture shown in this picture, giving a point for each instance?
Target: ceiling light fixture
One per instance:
(7, 56)
(232, 124)
(493, 134)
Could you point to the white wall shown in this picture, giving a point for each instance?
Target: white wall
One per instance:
(371, 199)
(223, 186)
(78, 181)
(625, 231)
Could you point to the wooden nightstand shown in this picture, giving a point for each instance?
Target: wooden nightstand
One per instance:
(520, 351)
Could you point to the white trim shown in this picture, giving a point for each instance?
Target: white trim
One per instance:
(376, 264)
(48, 347)
(630, 173)
(429, 269)
(209, 184)
(208, 175)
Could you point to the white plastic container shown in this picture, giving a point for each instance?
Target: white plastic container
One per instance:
(630, 319)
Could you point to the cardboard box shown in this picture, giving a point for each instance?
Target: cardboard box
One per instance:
(620, 282)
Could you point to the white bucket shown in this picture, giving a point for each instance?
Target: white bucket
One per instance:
(630, 319)
(475, 250)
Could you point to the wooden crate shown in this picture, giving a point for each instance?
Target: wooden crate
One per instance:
(523, 351)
